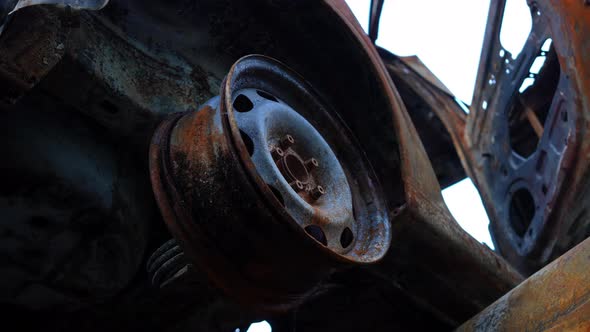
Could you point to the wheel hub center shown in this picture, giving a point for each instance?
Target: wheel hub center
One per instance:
(296, 171)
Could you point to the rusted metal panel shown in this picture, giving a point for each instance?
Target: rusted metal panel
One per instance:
(33, 40)
(557, 298)
(435, 113)
(534, 189)
(32, 45)
(418, 66)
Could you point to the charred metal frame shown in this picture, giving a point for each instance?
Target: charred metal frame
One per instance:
(524, 150)
(433, 110)
(554, 175)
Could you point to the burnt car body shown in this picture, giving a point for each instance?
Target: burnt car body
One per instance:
(522, 141)
(200, 165)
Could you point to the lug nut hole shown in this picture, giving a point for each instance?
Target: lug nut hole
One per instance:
(243, 104)
(346, 237)
(317, 233)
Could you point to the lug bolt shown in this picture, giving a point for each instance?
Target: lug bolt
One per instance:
(287, 141)
(277, 153)
(311, 163)
(296, 185)
(317, 192)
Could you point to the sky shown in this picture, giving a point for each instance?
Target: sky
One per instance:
(447, 36)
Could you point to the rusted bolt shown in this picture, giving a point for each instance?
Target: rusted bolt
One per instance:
(287, 141)
(296, 185)
(317, 192)
(311, 163)
(277, 153)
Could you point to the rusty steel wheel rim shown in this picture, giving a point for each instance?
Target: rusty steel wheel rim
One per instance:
(298, 165)
(321, 199)
(265, 187)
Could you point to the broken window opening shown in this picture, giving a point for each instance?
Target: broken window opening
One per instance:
(531, 104)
